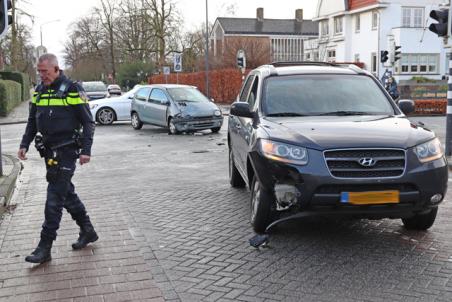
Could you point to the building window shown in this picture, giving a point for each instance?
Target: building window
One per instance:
(374, 20)
(418, 64)
(331, 55)
(287, 49)
(412, 16)
(357, 23)
(356, 57)
(373, 63)
(324, 30)
(307, 56)
(316, 56)
(338, 25)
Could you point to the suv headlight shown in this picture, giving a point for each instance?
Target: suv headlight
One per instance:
(429, 151)
(217, 113)
(284, 152)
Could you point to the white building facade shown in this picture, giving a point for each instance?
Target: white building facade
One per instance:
(358, 30)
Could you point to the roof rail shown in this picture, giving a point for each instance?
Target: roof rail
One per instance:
(300, 63)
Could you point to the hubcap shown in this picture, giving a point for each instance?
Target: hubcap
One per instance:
(255, 201)
(172, 127)
(106, 116)
(134, 120)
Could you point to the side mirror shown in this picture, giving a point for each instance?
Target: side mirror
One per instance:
(407, 106)
(241, 109)
(130, 97)
(167, 103)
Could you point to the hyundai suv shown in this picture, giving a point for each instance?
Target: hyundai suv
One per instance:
(325, 139)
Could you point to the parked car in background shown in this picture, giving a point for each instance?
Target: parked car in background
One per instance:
(180, 108)
(95, 90)
(108, 110)
(114, 89)
(324, 139)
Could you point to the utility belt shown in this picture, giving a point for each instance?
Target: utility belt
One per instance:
(50, 151)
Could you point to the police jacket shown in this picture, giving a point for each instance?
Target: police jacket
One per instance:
(57, 111)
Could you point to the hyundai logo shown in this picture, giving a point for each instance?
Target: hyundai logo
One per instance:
(367, 162)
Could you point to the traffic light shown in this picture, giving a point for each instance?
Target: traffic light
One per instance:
(384, 56)
(240, 62)
(5, 18)
(442, 16)
(397, 52)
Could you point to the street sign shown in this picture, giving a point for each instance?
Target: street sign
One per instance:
(166, 70)
(177, 58)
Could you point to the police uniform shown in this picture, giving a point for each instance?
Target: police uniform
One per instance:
(57, 112)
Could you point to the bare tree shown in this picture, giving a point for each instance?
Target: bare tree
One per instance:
(107, 15)
(165, 22)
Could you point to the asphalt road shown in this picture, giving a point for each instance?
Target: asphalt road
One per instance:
(193, 228)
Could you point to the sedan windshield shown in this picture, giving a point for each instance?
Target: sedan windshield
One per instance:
(332, 94)
(187, 94)
(93, 86)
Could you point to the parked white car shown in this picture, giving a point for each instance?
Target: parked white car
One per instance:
(108, 110)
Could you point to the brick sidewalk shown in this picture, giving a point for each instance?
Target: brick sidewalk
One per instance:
(112, 269)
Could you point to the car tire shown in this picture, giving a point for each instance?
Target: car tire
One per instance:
(420, 222)
(215, 130)
(105, 116)
(172, 127)
(235, 179)
(261, 207)
(137, 124)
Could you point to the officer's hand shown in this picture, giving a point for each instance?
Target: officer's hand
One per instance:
(21, 154)
(84, 159)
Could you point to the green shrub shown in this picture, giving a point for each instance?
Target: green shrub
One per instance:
(10, 96)
(421, 79)
(22, 79)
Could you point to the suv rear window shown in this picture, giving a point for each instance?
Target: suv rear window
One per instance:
(323, 95)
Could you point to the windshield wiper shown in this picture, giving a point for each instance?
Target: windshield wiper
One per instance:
(286, 114)
(343, 112)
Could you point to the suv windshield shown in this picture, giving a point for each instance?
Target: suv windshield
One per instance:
(94, 86)
(184, 94)
(333, 94)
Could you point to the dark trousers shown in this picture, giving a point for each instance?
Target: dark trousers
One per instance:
(61, 194)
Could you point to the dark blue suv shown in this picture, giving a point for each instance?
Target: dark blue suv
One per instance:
(324, 139)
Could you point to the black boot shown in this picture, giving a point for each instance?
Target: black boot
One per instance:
(42, 253)
(87, 235)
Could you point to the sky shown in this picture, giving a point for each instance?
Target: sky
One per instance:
(53, 18)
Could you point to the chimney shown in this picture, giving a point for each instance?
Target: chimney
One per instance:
(260, 14)
(299, 15)
(299, 21)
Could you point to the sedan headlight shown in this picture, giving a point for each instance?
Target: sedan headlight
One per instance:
(284, 152)
(217, 113)
(429, 151)
(92, 106)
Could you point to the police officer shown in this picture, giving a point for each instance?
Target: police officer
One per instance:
(58, 110)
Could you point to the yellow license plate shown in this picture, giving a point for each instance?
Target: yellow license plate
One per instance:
(370, 197)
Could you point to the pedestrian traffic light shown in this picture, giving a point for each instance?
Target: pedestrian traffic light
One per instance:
(397, 53)
(5, 18)
(442, 16)
(384, 56)
(240, 62)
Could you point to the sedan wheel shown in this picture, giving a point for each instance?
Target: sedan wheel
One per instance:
(105, 116)
(136, 122)
(172, 127)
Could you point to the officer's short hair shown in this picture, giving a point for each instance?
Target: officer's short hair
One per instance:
(49, 57)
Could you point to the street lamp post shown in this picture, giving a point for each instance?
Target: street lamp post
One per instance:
(207, 50)
(40, 27)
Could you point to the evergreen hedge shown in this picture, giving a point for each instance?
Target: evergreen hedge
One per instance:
(10, 96)
(21, 78)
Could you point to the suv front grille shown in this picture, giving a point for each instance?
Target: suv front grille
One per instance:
(384, 163)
